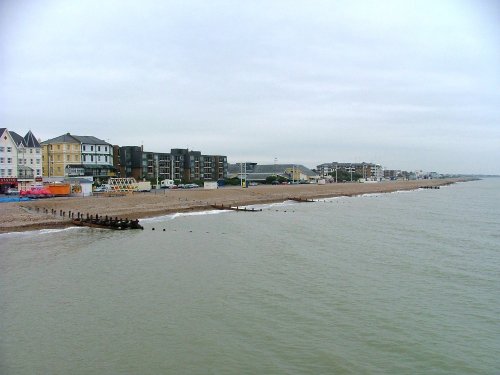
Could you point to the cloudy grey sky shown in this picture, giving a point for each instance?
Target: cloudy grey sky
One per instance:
(407, 84)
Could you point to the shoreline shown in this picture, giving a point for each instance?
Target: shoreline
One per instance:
(47, 213)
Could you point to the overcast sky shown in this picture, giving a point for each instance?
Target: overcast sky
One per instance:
(407, 84)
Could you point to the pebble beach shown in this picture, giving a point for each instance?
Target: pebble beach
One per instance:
(56, 212)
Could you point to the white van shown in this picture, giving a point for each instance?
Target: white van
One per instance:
(167, 184)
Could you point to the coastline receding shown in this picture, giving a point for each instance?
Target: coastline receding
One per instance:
(45, 213)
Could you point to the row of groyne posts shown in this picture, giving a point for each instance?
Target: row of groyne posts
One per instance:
(244, 209)
(86, 218)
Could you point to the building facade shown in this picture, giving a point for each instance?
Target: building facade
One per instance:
(254, 172)
(76, 156)
(180, 164)
(20, 160)
(8, 161)
(368, 171)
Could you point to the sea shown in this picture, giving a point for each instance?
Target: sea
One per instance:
(397, 283)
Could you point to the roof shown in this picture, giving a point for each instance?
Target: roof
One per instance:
(65, 138)
(88, 139)
(70, 138)
(270, 169)
(18, 140)
(79, 180)
(30, 140)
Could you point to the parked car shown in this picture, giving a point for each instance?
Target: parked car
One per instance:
(12, 191)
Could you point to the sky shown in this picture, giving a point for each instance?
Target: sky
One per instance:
(412, 85)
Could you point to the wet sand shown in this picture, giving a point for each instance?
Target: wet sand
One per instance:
(46, 213)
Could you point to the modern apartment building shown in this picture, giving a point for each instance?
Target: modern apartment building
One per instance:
(20, 160)
(74, 156)
(179, 164)
(368, 171)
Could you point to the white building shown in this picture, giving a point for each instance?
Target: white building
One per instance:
(20, 160)
(8, 161)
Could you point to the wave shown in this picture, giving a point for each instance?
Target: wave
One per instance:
(38, 232)
(181, 214)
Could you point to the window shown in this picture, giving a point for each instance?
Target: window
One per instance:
(106, 159)
(9, 149)
(2, 160)
(38, 161)
(31, 161)
(38, 172)
(20, 161)
(77, 158)
(68, 157)
(91, 157)
(9, 172)
(106, 149)
(2, 172)
(2, 149)
(9, 160)
(84, 148)
(91, 148)
(31, 150)
(58, 147)
(98, 148)
(37, 150)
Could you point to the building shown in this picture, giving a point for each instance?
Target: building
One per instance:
(368, 171)
(20, 160)
(259, 173)
(180, 164)
(8, 161)
(75, 156)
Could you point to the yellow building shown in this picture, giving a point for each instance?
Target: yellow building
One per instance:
(77, 156)
(59, 153)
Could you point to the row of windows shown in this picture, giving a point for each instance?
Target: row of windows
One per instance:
(77, 158)
(9, 149)
(2, 160)
(24, 161)
(98, 148)
(76, 147)
(8, 172)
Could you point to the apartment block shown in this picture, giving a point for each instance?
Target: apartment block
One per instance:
(179, 164)
(368, 171)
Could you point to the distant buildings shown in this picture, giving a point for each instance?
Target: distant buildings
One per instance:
(20, 160)
(259, 173)
(368, 171)
(180, 164)
(75, 156)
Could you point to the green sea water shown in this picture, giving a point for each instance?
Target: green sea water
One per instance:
(400, 283)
